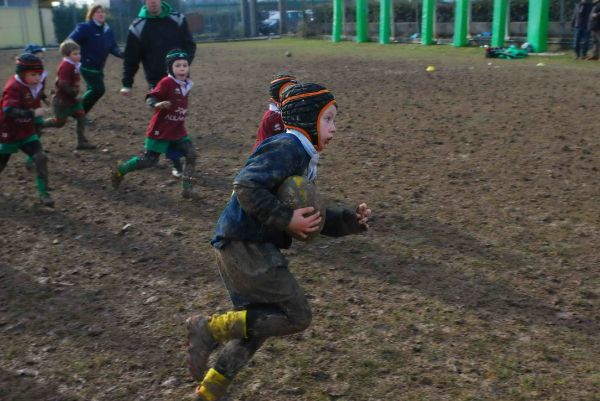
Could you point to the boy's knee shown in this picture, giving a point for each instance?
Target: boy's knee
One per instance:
(40, 158)
(302, 319)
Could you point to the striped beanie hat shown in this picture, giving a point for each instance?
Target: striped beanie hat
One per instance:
(278, 84)
(29, 62)
(301, 108)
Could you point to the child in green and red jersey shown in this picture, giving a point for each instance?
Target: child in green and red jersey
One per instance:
(19, 108)
(67, 100)
(166, 131)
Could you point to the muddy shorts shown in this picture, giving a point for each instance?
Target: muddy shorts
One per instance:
(256, 273)
(62, 111)
(164, 145)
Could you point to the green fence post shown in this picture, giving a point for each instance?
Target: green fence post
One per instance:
(499, 23)
(461, 23)
(537, 24)
(362, 25)
(384, 22)
(427, 25)
(338, 7)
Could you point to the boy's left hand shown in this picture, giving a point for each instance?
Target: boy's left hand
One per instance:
(363, 214)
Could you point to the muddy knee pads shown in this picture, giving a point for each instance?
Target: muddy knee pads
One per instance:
(267, 321)
(149, 159)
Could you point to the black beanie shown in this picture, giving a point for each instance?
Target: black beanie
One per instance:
(29, 62)
(174, 55)
(277, 83)
(301, 107)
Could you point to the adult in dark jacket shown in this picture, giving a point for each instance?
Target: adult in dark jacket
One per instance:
(581, 15)
(96, 40)
(157, 30)
(594, 26)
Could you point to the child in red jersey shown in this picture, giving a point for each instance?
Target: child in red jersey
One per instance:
(19, 108)
(271, 123)
(39, 52)
(166, 131)
(67, 101)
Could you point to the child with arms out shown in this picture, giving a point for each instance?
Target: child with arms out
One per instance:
(267, 299)
(67, 100)
(19, 109)
(166, 130)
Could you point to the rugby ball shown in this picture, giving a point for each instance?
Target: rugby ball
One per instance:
(298, 192)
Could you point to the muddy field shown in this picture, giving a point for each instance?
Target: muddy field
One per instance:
(478, 280)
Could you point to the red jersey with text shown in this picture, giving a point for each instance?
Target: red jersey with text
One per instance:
(67, 82)
(20, 96)
(271, 124)
(168, 124)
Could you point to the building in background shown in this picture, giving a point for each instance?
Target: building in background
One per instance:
(26, 21)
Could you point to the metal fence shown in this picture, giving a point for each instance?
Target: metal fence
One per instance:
(216, 20)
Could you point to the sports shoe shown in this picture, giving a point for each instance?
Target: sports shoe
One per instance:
(47, 200)
(176, 173)
(200, 345)
(115, 177)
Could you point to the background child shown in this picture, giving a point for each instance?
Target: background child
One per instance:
(40, 53)
(271, 123)
(67, 101)
(253, 227)
(19, 108)
(166, 129)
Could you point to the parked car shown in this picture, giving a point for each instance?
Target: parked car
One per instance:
(270, 24)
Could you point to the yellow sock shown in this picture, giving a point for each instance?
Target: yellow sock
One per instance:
(228, 326)
(213, 386)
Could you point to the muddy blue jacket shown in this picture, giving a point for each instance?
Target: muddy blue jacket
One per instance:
(255, 214)
(96, 43)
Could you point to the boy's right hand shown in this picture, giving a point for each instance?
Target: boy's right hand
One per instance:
(162, 105)
(125, 92)
(301, 225)
(39, 112)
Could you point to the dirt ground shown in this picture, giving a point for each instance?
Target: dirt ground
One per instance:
(477, 281)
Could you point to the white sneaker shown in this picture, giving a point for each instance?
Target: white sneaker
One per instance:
(176, 173)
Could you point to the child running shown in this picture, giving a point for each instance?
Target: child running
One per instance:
(271, 123)
(40, 53)
(166, 130)
(267, 299)
(19, 109)
(67, 100)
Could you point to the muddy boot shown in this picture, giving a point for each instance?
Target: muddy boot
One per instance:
(46, 200)
(82, 142)
(200, 345)
(188, 191)
(177, 168)
(115, 176)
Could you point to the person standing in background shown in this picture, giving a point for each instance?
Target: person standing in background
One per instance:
(157, 30)
(579, 23)
(96, 40)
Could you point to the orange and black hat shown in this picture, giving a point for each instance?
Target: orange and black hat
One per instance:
(29, 62)
(301, 107)
(279, 83)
